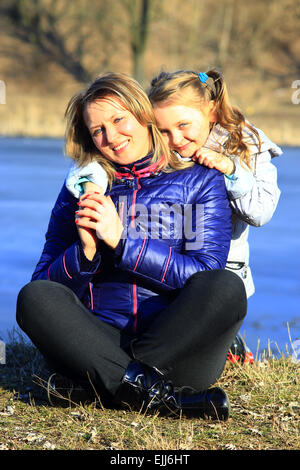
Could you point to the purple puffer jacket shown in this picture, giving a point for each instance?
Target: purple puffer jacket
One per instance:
(176, 224)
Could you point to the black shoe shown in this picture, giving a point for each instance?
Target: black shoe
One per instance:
(239, 352)
(144, 388)
(212, 403)
(62, 391)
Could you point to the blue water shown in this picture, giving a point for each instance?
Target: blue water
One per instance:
(32, 171)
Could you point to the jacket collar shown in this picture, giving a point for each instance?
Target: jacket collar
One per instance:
(218, 136)
(139, 169)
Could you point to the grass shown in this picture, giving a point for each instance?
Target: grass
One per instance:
(264, 398)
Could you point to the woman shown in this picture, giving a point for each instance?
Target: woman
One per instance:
(129, 291)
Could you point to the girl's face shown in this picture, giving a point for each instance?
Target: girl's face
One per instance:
(115, 131)
(185, 128)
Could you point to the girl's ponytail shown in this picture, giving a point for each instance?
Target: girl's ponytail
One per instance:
(231, 118)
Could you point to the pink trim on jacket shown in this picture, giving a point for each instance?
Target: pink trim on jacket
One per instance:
(65, 267)
(168, 261)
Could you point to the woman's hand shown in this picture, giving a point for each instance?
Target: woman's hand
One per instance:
(88, 237)
(216, 160)
(98, 218)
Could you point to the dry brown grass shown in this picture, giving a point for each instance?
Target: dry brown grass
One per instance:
(265, 413)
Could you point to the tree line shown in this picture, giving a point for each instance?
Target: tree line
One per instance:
(83, 36)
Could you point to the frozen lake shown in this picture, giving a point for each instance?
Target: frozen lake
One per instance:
(32, 172)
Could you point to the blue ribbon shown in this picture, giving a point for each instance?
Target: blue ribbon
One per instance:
(203, 77)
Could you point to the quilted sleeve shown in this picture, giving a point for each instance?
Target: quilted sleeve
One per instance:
(62, 259)
(258, 203)
(168, 268)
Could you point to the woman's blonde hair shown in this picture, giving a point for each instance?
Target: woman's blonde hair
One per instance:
(79, 144)
(184, 86)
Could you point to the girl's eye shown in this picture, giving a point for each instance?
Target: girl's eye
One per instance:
(183, 124)
(118, 120)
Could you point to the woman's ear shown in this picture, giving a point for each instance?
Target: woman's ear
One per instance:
(212, 111)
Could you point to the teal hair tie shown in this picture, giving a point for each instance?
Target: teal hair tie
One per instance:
(203, 77)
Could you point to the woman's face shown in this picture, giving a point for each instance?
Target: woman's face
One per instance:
(115, 131)
(185, 128)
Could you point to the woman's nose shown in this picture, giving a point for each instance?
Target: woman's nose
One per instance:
(110, 134)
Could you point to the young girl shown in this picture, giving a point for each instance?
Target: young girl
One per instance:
(196, 118)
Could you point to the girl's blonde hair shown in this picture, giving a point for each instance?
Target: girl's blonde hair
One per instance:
(185, 87)
(79, 144)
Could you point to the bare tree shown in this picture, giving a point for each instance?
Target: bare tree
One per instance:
(139, 21)
(53, 28)
(265, 37)
(227, 13)
(81, 36)
(85, 37)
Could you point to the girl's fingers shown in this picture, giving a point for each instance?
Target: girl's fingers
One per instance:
(209, 153)
(212, 159)
(198, 158)
(205, 161)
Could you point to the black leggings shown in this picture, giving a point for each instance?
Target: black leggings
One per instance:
(188, 341)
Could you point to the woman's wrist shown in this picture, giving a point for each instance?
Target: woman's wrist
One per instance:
(89, 252)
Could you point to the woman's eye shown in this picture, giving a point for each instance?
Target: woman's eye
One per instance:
(183, 124)
(97, 132)
(118, 120)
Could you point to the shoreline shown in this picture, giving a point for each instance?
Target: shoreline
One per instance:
(291, 143)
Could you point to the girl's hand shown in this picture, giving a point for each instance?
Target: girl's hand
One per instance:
(90, 187)
(98, 218)
(216, 160)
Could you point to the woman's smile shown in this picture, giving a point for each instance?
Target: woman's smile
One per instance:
(121, 147)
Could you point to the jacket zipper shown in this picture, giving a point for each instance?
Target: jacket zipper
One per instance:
(91, 296)
(134, 286)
